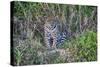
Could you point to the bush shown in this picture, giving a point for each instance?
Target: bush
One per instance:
(87, 47)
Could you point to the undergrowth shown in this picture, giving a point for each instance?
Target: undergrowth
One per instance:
(28, 34)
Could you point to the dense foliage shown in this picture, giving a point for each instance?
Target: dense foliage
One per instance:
(79, 20)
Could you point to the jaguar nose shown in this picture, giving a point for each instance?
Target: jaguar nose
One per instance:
(51, 41)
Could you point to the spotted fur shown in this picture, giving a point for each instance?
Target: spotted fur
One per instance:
(53, 36)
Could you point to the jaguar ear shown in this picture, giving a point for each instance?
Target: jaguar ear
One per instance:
(56, 17)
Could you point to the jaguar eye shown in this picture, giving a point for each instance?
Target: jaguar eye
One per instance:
(54, 26)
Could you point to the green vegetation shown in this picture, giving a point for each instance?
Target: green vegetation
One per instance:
(28, 37)
(88, 45)
(85, 46)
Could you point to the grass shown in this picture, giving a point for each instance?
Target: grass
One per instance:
(84, 46)
(28, 37)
